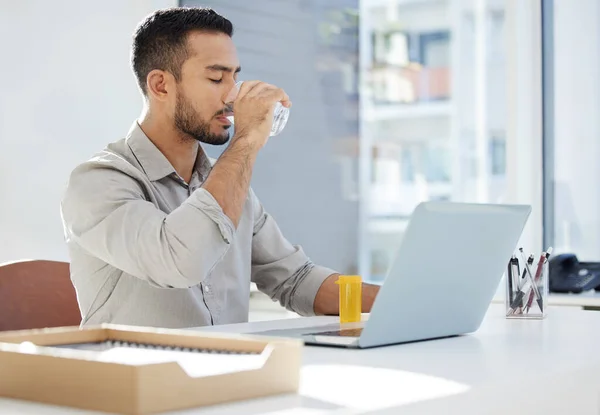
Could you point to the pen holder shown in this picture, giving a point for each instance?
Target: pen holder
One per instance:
(527, 288)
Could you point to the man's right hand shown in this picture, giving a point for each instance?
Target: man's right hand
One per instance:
(253, 110)
(229, 179)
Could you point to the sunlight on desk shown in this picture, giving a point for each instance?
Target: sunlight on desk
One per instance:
(300, 411)
(361, 387)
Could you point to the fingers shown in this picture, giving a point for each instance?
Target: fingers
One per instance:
(274, 94)
(257, 89)
(246, 87)
(280, 96)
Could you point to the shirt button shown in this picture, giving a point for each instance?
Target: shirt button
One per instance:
(207, 288)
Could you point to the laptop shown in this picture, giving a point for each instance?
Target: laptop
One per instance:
(444, 276)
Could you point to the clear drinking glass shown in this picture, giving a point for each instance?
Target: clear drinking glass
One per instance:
(280, 115)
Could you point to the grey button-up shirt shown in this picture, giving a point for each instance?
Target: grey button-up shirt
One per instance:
(149, 249)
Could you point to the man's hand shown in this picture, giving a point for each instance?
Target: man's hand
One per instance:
(253, 110)
(229, 179)
(327, 300)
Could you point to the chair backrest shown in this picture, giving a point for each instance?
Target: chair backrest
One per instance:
(37, 294)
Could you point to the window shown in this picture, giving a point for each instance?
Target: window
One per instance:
(433, 89)
(572, 127)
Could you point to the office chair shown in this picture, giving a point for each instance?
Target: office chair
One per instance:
(37, 294)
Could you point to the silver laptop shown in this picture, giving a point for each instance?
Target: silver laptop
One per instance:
(442, 281)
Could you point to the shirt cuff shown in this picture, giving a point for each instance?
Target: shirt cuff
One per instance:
(306, 290)
(202, 200)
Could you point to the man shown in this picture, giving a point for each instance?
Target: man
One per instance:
(158, 234)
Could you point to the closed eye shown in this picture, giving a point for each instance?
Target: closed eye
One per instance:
(216, 81)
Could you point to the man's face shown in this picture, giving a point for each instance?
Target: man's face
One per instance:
(207, 83)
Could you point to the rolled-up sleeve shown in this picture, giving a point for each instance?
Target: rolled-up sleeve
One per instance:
(282, 270)
(105, 212)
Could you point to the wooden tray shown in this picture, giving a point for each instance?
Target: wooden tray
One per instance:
(144, 370)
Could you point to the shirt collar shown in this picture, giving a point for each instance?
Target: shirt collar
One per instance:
(203, 164)
(153, 161)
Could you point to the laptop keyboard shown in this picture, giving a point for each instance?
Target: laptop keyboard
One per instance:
(339, 333)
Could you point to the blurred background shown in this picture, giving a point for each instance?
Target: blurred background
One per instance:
(395, 102)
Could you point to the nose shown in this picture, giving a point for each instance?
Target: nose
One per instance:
(231, 95)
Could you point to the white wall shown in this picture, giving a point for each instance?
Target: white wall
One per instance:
(67, 90)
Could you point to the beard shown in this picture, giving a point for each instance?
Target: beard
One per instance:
(189, 123)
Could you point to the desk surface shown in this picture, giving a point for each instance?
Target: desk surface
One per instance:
(585, 299)
(449, 373)
(589, 299)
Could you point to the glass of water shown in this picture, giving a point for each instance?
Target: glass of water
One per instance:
(280, 115)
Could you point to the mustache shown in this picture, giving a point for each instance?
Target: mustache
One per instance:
(228, 110)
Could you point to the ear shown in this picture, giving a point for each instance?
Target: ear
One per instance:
(158, 84)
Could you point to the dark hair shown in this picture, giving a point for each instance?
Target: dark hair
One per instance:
(160, 40)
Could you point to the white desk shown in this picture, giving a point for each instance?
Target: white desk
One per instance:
(589, 300)
(467, 374)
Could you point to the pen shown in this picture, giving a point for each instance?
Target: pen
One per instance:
(523, 281)
(514, 263)
(532, 281)
(518, 300)
(510, 280)
(543, 258)
(531, 292)
(517, 274)
(538, 273)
